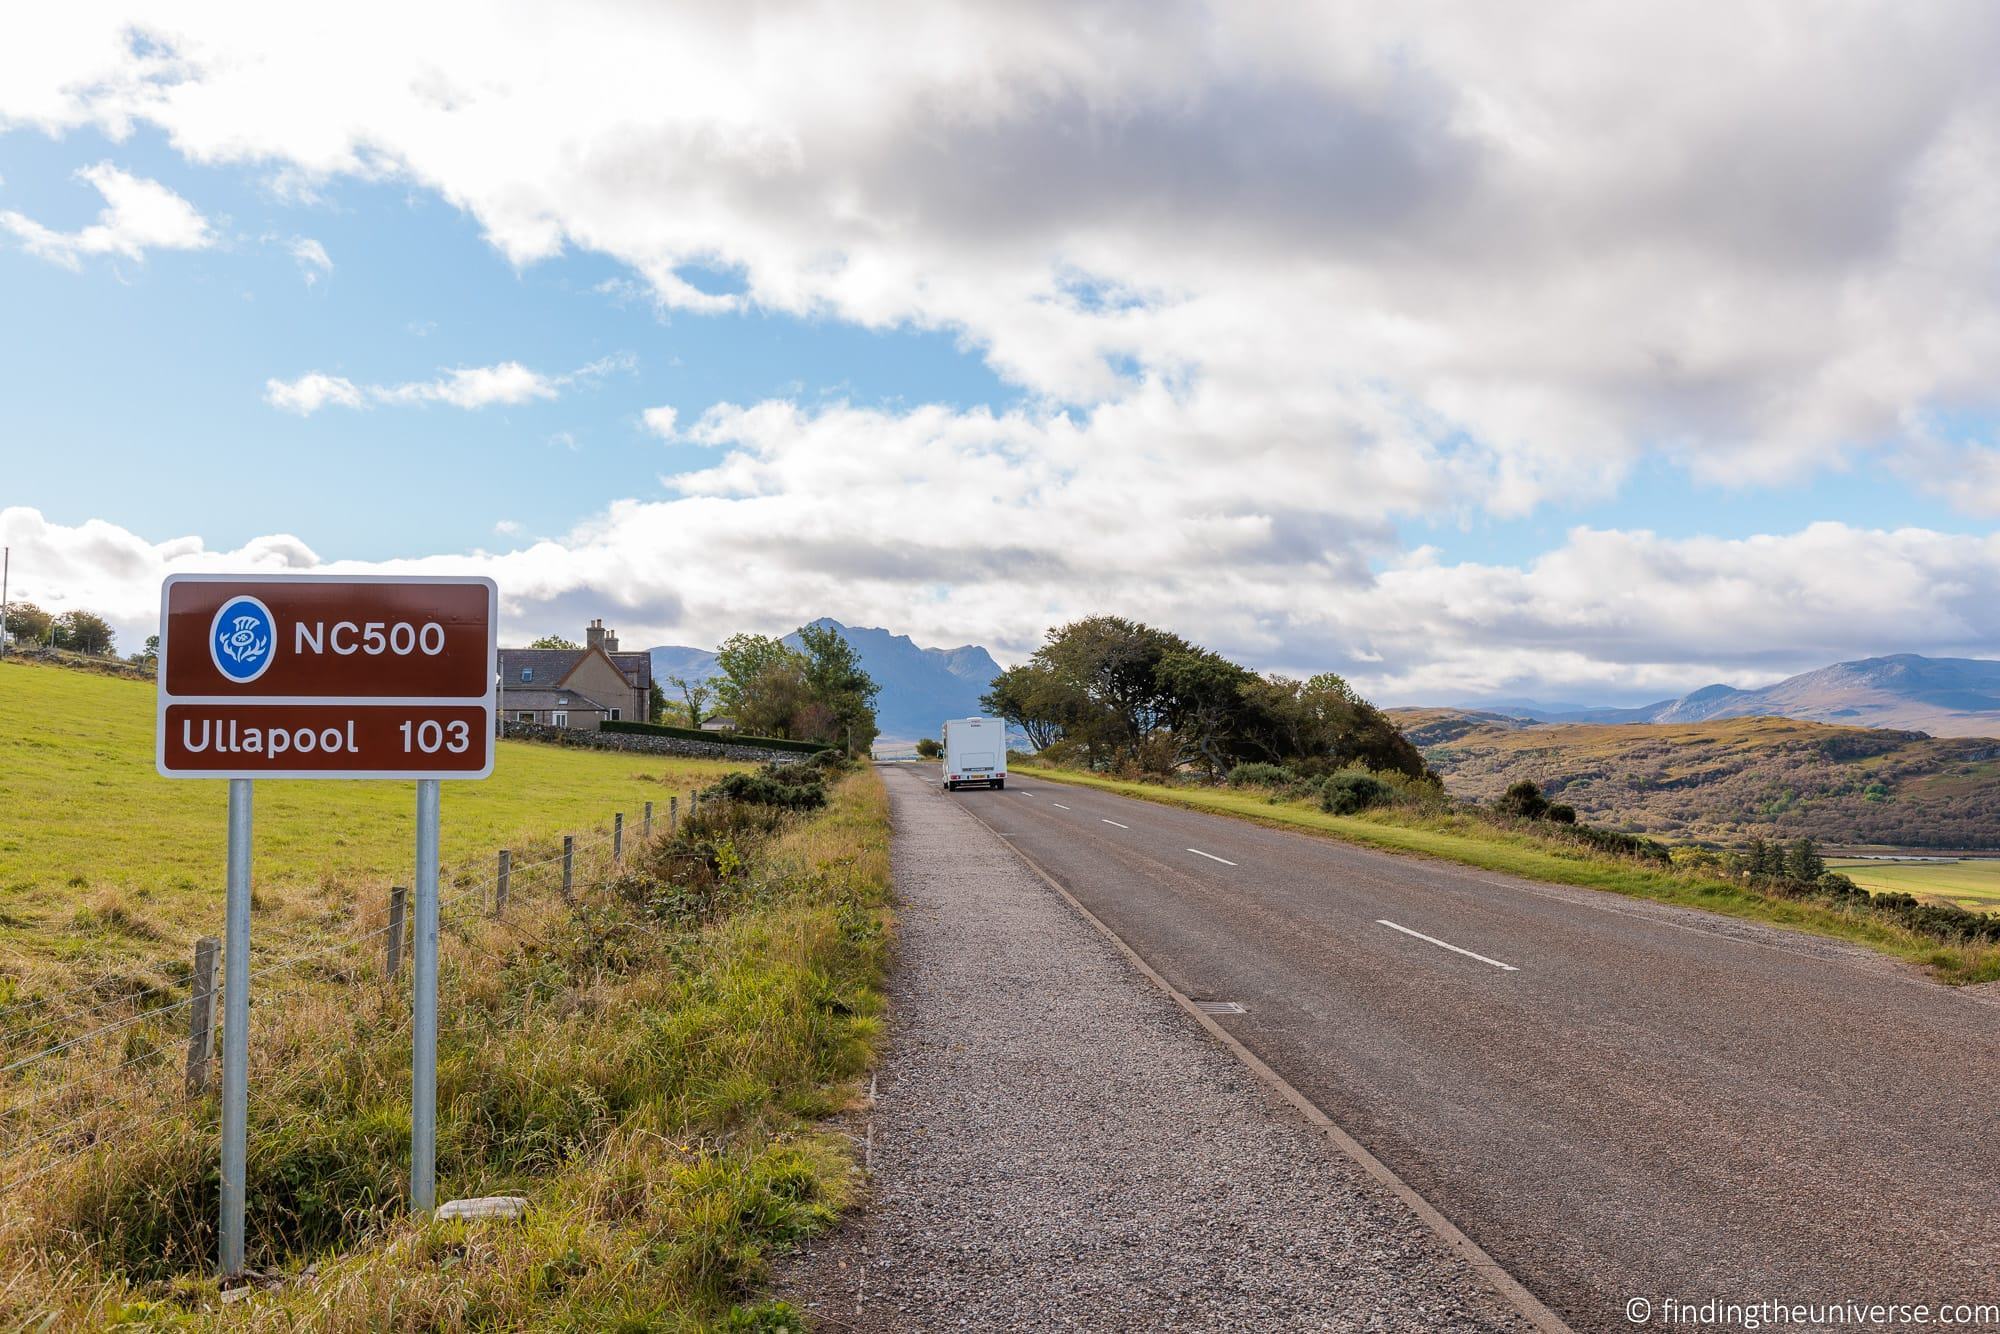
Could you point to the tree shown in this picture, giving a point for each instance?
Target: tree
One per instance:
(928, 749)
(28, 624)
(742, 660)
(555, 641)
(1523, 799)
(656, 702)
(839, 687)
(152, 649)
(771, 701)
(694, 697)
(1803, 860)
(82, 631)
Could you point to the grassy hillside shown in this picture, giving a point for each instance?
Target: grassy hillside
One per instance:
(1725, 780)
(104, 862)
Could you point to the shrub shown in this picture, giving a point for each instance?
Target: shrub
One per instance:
(801, 793)
(929, 749)
(1348, 792)
(1258, 774)
(1558, 813)
(1523, 800)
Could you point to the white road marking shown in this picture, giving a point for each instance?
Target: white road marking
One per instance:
(1445, 944)
(1115, 823)
(1058, 805)
(1211, 856)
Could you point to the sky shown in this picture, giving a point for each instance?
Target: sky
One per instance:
(1556, 350)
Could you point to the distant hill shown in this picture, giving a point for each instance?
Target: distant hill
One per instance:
(921, 687)
(1725, 779)
(1941, 696)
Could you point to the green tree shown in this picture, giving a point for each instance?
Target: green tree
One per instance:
(555, 641)
(82, 631)
(1803, 860)
(694, 698)
(28, 624)
(656, 702)
(839, 688)
(743, 659)
(928, 748)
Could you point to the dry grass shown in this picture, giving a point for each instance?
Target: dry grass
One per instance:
(645, 1072)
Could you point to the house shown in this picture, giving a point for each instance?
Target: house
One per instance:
(576, 688)
(718, 724)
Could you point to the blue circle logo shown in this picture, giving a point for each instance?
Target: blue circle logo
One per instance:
(243, 639)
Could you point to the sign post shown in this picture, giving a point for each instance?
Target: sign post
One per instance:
(316, 676)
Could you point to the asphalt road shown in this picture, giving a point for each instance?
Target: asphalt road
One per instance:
(1618, 1100)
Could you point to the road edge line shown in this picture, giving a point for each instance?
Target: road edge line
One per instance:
(1509, 1288)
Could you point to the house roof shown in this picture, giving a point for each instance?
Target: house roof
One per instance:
(553, 664)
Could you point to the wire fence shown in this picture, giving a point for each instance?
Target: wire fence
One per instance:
(69, 1094)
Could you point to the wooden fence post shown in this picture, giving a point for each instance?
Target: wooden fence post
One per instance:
(201, 1016)
(398, 909)
(569, 857)
(673, 815)
(500, 882)
(646, 829)
(618, 838)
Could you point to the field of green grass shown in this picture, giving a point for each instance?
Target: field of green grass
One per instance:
(1472, 842)
(104, 862)
(1972, 882)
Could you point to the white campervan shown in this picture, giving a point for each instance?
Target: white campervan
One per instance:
(975, 751)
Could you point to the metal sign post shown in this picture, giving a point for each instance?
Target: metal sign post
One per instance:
(235, 1032)
(424, 1007)
(312, 676)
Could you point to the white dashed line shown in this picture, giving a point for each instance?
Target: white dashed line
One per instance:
(1211, 856)
(1058, 805)
(1115, 824)
(1445, 944)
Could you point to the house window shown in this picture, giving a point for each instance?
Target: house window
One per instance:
(524, 716)
(527, 673)
(614, 715)
(560, 718)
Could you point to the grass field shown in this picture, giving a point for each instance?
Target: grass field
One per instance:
(1973, 882)
(102, 861)
(1471, 842)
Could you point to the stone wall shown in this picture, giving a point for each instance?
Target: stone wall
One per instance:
(640, 744)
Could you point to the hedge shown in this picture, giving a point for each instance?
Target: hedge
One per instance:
(723, 738)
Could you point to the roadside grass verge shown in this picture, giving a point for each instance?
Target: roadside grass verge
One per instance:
(644, 1065)
(1469, 841)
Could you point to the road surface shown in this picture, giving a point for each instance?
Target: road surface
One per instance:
(1055, 1143)
(1620, 1101)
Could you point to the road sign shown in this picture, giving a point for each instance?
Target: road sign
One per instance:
(318, 676)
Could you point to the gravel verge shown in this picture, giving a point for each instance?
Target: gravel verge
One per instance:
(1055, 1144)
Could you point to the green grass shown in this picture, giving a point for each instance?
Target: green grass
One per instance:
(645, 1066)
(1472, 842)
(1972, 882)
(102, 859)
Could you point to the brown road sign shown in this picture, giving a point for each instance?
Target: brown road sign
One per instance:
(316, 676)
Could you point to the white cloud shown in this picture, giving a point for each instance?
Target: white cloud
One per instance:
(660, 421)
(475, 387)
(311, 392)
(312, 258)
(1566, 235)
(470, 387)
(138, 215)
(507, 528)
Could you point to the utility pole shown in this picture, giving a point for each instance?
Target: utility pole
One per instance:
(6, 569)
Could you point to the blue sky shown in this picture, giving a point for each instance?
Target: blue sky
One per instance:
(1386, 350)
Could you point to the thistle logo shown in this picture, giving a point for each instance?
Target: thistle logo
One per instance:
(243, 639)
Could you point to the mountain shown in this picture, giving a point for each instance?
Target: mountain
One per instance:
(1941, 696)
(921, 687)
(1723, 780)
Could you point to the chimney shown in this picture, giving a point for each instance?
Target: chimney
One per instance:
(593, 635)
(610, 641)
